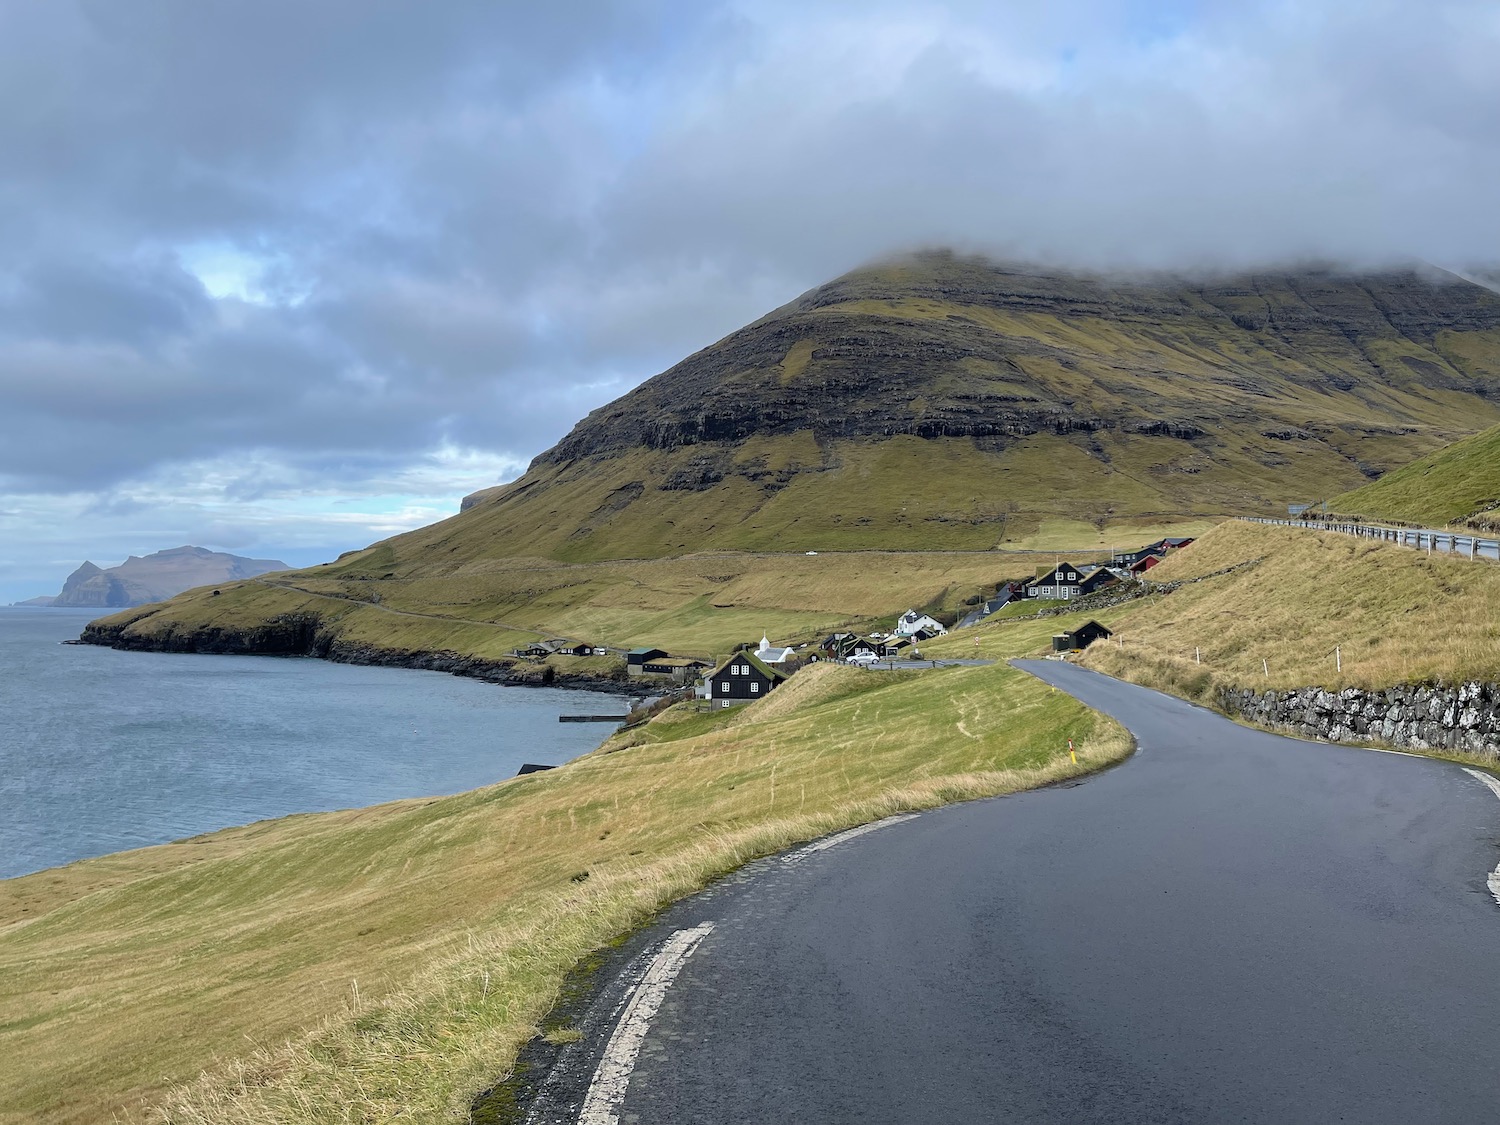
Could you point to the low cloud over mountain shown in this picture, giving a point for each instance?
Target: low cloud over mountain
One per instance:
(286, 277)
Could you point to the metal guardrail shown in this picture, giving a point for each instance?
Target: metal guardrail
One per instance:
(1421, 539)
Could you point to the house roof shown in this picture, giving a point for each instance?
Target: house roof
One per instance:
(755, 662)
(1091, 628)
(1062, 565)
(645, 650)
(680, 662)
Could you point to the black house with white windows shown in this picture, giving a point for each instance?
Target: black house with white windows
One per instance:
(743, 678)
(1062, 583)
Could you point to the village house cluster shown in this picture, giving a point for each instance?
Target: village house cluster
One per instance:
(752, 673)
(1067, 580)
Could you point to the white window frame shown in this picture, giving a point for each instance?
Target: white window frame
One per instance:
(724, 686)
(754, 689)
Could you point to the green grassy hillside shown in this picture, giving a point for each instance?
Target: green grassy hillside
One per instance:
(959, 404)
(1395, 614)
(1459, 484)
(387, 963)
(698, 605)
(935, 404)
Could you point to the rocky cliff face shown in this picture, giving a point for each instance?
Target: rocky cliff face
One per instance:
(947, 347)
(90, 587)
(152, 578)
(307, 634)
(956, 402)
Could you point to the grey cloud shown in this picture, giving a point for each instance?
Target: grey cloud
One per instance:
(469, 223)
(71, 301)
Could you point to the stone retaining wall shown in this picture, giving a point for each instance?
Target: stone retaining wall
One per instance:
(1413, 716)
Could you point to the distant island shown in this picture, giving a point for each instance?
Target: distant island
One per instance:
(152, 578)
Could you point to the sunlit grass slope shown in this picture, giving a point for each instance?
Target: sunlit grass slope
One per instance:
(387, 963)
(485, 607)
(1460, 483)
(1394, 614)
(911, 493)
(962, 404)
(931, 404)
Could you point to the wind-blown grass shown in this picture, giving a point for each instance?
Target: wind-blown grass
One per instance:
(1389, 614)
(1460, 483)
(389, 961)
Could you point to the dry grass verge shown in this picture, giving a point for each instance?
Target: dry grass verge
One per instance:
(1388, 614)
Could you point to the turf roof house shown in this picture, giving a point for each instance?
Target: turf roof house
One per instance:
(1097, 579)
(743, 678)
(841, 646)
(556, 646)
(658, 662)
(1080, 638)
(1060, 584)
(1156, 551)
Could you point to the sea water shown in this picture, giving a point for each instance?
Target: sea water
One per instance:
(103, 750)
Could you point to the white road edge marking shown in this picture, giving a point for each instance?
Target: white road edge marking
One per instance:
(841, 837)
(612, 1078)
(1494, 787)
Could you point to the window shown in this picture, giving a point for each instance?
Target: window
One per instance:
(754, 689)
(724, 686)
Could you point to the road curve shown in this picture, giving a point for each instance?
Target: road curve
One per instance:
(1230, 927)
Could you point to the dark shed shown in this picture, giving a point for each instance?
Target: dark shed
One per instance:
(740, 679)
(1081, 637)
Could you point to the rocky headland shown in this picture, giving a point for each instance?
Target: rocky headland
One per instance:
(308, 635)
(140, 580)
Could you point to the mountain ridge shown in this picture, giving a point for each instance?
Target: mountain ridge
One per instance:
(892, 439)
(142, 579)
(1155, 395)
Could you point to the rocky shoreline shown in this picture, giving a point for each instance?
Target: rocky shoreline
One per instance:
(303, 634)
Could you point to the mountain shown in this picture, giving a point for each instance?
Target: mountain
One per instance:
(1460, 483)
(153, 578)
(912, 423)
(954, 403)
(42, 601)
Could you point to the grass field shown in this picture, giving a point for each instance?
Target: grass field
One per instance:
(1459, 484)
(944, 402)
(385, 963)
(1393, 614)
(697, 605)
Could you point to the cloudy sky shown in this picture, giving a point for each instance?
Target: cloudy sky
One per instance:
(288, 276)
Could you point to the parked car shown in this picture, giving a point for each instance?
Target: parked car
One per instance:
(863, 658)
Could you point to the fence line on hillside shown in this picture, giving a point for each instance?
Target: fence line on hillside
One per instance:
(1444, 542)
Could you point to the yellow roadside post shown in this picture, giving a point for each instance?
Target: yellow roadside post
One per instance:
(1071, 752)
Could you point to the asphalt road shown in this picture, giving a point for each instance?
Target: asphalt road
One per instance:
(1230, 927)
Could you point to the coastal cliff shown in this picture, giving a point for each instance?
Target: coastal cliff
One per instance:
(155, 577)
(306, 634)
